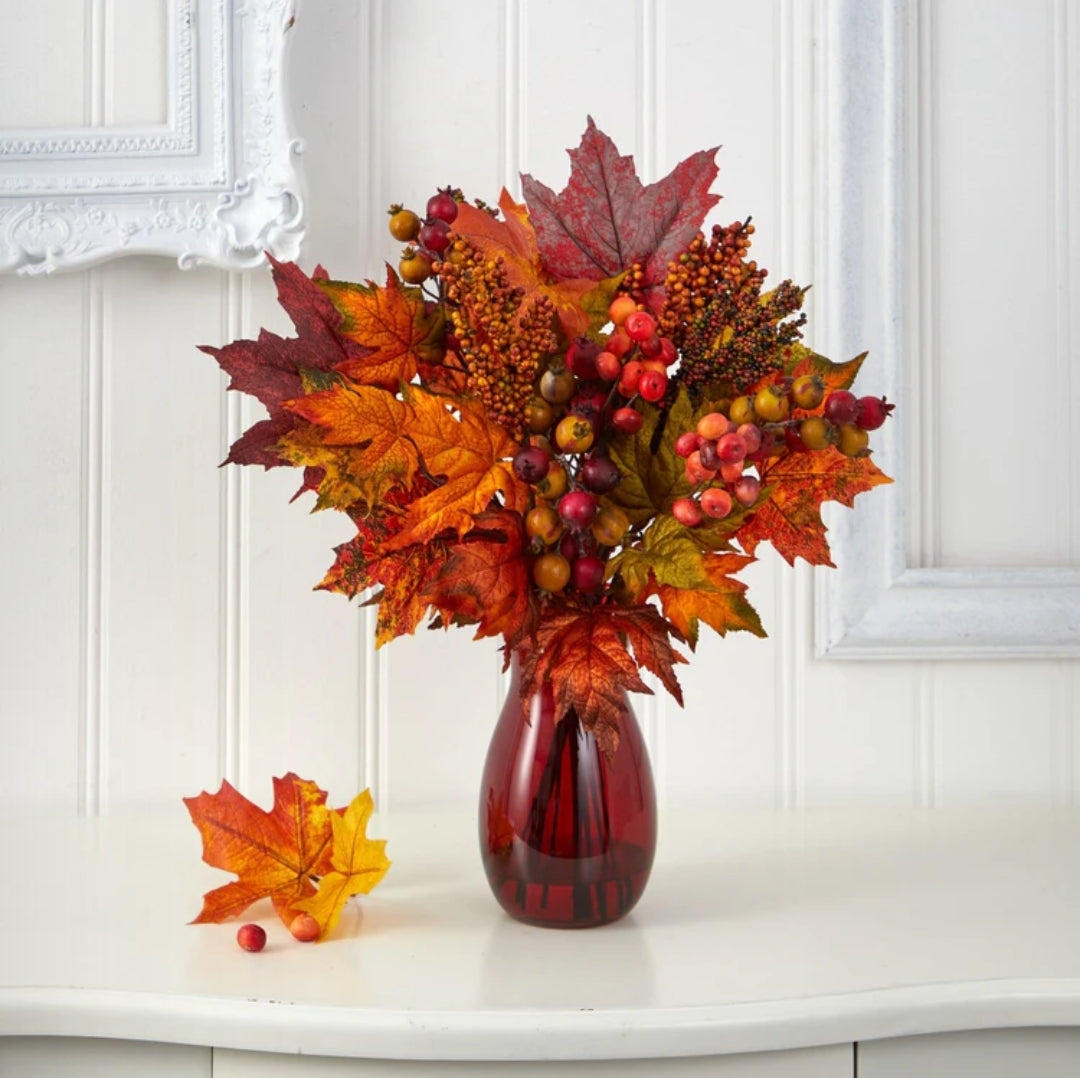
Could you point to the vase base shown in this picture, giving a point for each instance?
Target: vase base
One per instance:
(563, 892)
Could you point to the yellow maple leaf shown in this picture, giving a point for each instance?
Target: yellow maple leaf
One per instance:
(358, 863)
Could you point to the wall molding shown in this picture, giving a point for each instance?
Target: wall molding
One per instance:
(217, 183)
(878, 605)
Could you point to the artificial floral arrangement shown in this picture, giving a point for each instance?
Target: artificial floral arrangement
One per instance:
(567, 424)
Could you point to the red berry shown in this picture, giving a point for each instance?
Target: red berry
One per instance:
(531, 464)
(873, 411)
(587, 573)
(716, 502)
(435, 235)
(443, 206)
(630, 377)
(714, 425)
(569, 547)
(608, 366)
(581, 357)
(577, 508)
(686, 512)
(793, 440)
(841, 407)
(668, 355)
(305, 928)
(730, 472)
(251, 937)
(707, 452)
(600, 474)
(627, 420)
(618, 342)
(651, 348)
(621, 307)
(731, 449)
(686, 443)
(750, 433)
(747, 489)
(652, 385)
(640, 326)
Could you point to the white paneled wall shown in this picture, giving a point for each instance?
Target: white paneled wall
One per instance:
(158, 627)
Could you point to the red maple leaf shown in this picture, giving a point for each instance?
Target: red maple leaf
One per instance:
(605, 219)
(486, 579)
(790, 518)
(586, 655)
(270, 367)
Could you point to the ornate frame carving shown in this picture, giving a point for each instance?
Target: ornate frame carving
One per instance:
(218, 183)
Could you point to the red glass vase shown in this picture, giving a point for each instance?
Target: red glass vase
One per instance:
(567, 835)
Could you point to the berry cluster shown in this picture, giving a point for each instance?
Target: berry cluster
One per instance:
(750, 430)
(501, 340)
(431, 235)
(580, 400)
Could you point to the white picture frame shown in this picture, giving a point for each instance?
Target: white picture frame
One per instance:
(876, 605)
(218, 183)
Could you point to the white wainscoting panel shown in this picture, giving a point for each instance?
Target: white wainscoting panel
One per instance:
(158, 625)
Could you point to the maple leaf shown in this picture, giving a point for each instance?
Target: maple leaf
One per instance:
(275, 854)
(393, 324)
(363, 443)
(721, 604)
(486, 580)
(666, 555)
(357, 864)
(653, 474)
(580, 304)
(270, 367)
(585, 654)
(790, 518)
(605, 219)
(472, 456)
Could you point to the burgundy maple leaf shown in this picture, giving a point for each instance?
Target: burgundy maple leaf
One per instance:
(605, 219)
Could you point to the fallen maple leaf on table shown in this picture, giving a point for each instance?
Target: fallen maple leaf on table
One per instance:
(282, 854)
(357, 864)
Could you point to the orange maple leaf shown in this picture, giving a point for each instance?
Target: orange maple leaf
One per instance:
(393, 323)
(486, 580)
(722, 605)
(790, 518)
(472, 456)
(585, 654)
(275, 854)
(357, 864)
(580, 304)
(362, 442)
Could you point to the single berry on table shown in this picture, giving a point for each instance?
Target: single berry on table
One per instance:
(251, 937)
(304, 928)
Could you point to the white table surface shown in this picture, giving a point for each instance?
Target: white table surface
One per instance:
(757, 931)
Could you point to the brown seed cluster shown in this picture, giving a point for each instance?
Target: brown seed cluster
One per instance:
(714, 312)
(501, 339)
